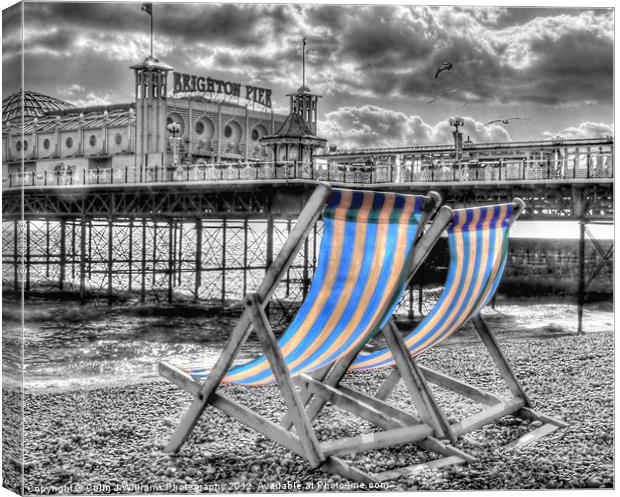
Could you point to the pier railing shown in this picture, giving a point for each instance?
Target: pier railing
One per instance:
(491, 172)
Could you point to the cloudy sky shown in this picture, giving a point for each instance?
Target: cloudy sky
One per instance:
(374, 65)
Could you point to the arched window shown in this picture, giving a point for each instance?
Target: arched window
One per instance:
(258, 132)
(232, 137)
(204, 132)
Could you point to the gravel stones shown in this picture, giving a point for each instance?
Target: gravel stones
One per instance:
(118, 434)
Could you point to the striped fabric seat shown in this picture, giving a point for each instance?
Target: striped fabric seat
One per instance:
(360, 277)
(478, 242)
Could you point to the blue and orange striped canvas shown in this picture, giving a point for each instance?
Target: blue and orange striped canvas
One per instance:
(360, 276)
(478, 242)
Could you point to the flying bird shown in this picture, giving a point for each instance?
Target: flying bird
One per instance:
(506, 120)
(446, 66)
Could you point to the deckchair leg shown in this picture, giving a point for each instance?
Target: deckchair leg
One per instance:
(421, 395)
(499, 359)
(285, 382)
(389, 384)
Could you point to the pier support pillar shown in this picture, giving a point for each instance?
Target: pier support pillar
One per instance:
(245, 256)
(223, 294)
(198, 259)
(579, 209)
(130, 256)
(27, 223)
(73, 261)
(288, 271)
(47, 248)
(581, 289)
(306, 276)
(154, 261)
(420, 299)
(90, 248)
(143, 264)
(171, 251)
(110, 256)
(63, 253)
(83, 260)
(179, 259)
(269, 251)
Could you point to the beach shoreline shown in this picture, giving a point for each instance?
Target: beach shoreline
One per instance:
(70, 347)
(83, 439)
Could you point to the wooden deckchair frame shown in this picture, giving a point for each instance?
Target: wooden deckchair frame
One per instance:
(304, 441)
(324, 386)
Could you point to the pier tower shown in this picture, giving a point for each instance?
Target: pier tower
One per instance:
(295, 141)
(151, 111)
(305, 103)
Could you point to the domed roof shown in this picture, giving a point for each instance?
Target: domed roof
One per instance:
(35, 105)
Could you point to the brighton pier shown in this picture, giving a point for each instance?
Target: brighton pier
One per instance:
(188, 197)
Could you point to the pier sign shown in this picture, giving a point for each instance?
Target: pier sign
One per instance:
(188, 83)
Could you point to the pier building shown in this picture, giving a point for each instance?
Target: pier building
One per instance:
(133, 141)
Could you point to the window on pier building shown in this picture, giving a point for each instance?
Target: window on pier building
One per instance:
(232, 133)
(204, 133)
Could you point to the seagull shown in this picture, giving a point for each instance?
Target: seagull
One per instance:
(446, 66)
(506, 120)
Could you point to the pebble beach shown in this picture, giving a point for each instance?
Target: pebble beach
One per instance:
(110, 440)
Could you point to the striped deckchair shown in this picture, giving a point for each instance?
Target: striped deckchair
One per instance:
(358, 282)
(369, 246)
(478, 243)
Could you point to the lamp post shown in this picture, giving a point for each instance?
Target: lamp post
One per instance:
(173, 129)
(457, 123)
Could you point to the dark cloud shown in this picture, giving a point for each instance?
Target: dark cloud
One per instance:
(376, 54)
(381, 36)
(98, 16)
(331, 18)
(56, 41)
(235, 24)
(98, 76)
(232, 23)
